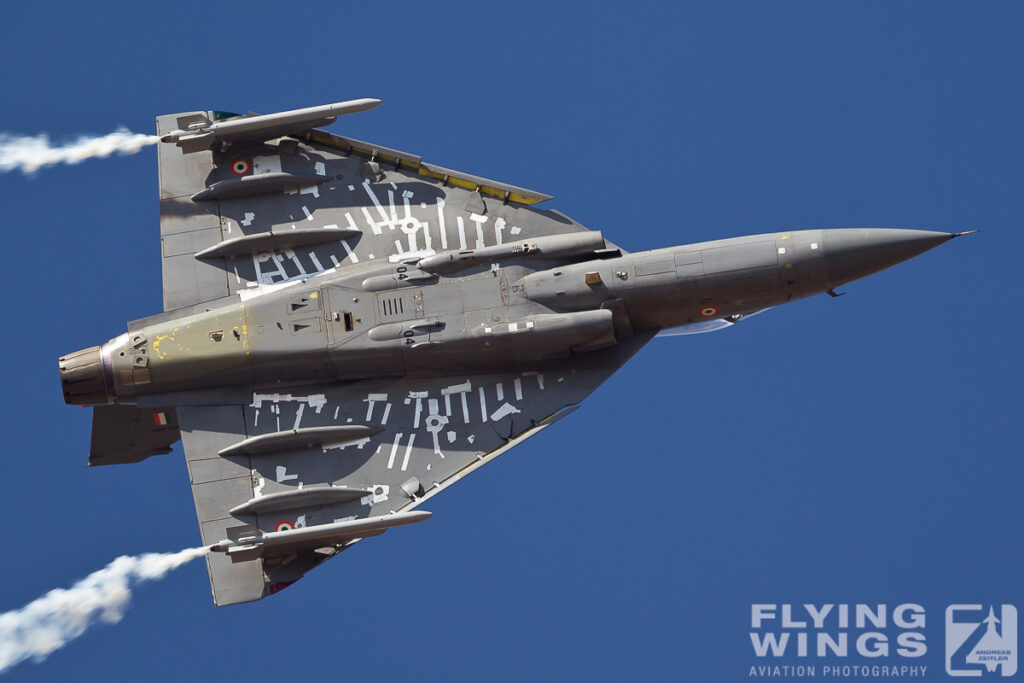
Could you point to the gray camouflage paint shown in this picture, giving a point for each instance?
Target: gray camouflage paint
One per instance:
(349, 330)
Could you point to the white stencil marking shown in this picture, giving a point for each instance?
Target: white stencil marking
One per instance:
(394, 449)
(505, 410)
(440, 223)
(462, 232)
(479, 220)
(282, 474)
(408, 451)
(316, 261)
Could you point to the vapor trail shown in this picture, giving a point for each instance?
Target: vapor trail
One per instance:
(50, 622)
(30, 153)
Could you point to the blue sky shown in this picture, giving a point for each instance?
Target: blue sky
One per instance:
(862, 449)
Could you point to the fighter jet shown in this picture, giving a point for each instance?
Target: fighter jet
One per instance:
(349, 330)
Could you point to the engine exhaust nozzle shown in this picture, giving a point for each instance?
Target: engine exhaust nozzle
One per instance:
(86, 377)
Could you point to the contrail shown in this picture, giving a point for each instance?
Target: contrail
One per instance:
(30, 153)
(50, 622)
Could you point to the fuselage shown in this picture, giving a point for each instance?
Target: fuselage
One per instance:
(504, 308)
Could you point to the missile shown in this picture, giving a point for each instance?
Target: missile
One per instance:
(412, 273)
(547, 247)
(198, 132)
(336, 533)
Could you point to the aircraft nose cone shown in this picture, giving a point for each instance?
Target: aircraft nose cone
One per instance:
(851, 254)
